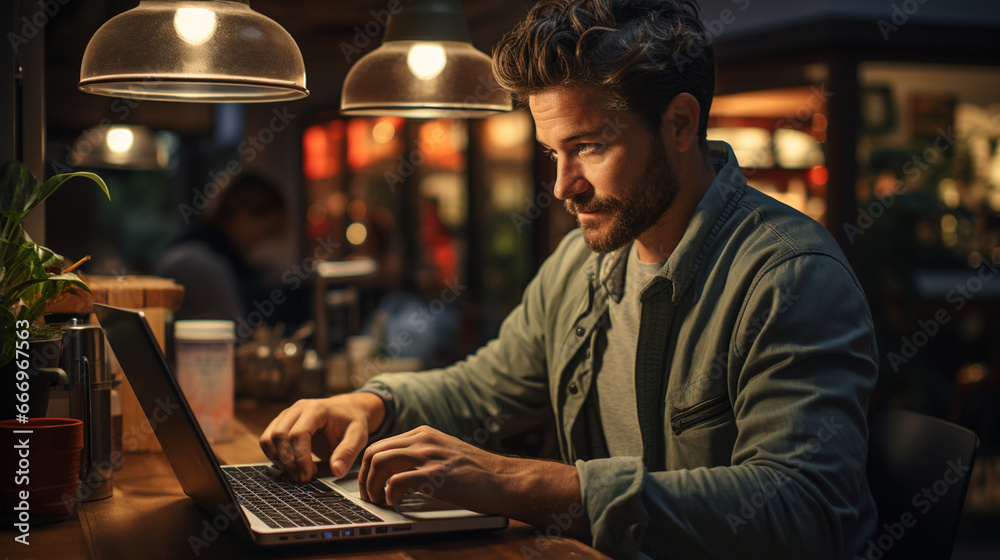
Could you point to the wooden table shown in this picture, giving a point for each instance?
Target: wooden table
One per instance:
(149, 517)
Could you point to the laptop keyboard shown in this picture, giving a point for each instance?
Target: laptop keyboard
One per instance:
(283, 504)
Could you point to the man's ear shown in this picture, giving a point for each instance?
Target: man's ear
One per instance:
(680, 122)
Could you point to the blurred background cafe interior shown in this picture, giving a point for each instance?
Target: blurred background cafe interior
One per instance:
(352, 243)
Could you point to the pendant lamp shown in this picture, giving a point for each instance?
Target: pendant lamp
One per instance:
(195, 51)
(126, 146)
(426, 67)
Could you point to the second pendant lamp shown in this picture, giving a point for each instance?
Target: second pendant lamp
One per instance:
(426, 67)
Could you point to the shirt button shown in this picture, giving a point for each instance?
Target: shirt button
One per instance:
(580, 331)
(573, 389)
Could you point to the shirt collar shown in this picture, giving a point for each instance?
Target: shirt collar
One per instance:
(714, 208)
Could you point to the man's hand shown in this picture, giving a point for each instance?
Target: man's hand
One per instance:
(464, 475)
(425, 458)
(344, 420)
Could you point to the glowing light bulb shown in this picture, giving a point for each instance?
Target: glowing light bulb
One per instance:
(119, 139)
(194, 25)
(426, 61)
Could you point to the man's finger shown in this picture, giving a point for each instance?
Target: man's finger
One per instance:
(383, 465)
(402, 483)
(347, 449)
(266, 438)
(398, 441)
(275, 438)
(300, 436)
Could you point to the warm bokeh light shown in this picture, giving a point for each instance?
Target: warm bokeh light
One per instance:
(509, 130)
(357, 210)
(383, 131)
(321, 150)
(819, 122)
(316, 214)
(119, 139)
(751, 144)
(949, 224)
(443, 142)
(356, 233)
(819, 175)
(794, 149)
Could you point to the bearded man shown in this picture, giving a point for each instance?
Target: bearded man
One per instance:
(706, 351)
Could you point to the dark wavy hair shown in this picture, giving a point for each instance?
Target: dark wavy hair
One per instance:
(639, 53)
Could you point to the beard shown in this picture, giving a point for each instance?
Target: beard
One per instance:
(625, 219)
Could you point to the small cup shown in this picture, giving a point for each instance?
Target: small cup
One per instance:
(39, 468)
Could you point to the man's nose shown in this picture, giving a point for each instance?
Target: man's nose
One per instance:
(569, 181)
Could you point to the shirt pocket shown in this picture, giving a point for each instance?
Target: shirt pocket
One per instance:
(700, 414)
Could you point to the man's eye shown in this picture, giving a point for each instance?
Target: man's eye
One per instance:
(589, 148)
(551, 154)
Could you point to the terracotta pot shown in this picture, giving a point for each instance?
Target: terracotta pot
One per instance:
(40, 468)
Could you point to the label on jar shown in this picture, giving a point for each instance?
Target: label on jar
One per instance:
(205, 374)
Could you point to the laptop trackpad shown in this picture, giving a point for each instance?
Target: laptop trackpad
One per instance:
(415, 506)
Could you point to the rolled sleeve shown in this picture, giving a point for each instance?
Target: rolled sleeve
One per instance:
(611, 489)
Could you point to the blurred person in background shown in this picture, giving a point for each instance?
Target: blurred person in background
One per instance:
(218, 260)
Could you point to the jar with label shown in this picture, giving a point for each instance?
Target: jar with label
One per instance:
(204, 357)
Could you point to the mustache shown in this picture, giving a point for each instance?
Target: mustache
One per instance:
(590, 204)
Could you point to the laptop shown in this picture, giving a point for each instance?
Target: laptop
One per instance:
(265, 507)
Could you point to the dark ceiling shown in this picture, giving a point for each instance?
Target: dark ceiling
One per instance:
(318, 26)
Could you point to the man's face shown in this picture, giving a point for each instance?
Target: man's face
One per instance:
(611, 171)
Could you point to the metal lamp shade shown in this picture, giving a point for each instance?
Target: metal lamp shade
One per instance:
(119, 146)
(195, 51)
(426, 67)
(420, 79)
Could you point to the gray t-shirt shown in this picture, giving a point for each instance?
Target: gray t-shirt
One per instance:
(616, 374)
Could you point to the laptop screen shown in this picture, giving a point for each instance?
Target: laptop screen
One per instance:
(169, 415)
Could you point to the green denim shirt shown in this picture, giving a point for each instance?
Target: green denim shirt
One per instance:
(755, 361)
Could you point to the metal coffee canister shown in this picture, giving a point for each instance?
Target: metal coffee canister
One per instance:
(89, 383)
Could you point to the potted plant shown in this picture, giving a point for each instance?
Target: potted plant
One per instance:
(31, 276)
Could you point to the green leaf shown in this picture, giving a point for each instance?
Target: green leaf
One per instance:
(22, 266)
(47, 257)
(53, 183)
(25, 286)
